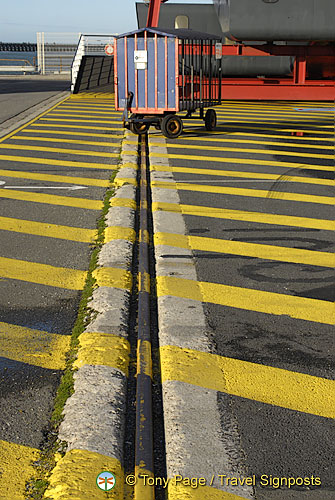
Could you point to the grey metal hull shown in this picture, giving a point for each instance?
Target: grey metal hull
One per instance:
(275, 20)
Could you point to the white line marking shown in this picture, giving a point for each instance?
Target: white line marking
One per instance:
(70, 188)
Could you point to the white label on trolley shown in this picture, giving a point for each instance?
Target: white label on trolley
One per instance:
(218, 51)
(140, 59)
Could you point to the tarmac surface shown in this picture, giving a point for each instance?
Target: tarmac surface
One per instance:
(251, 251)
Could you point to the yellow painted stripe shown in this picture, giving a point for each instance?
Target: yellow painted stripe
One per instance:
(247, 175)
(15, 131)
(111, 122)
(271, 252)
(119, 233)
(113, 277)
(48, 230)
(65, 179)
(75, 477)
(104, 349)
(181, 492)
(187, 136)
(279, 116)
(245, 161)
(70, 141)
(91, 127)
(80, 152)
(75, 111)
(319, 311)
(257, 217)
(239, 141)
(123, 202)
(43, 274)
(266, 384)
(119, 181)
(253, 193)
(247, 150)
(59, 162)
(79, 115)
(144, 358)
(16, 469)
(51, 199)
(72, 133)
(277, 129)
(34, 347)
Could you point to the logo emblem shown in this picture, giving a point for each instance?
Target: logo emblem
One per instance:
(106, 481)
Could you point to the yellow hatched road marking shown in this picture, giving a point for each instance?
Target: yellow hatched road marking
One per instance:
(43, 274)
(86, 181)
(51, 199)
(78, 115)
(72, 133)
(246, 161)
(113, 122)
(247, 175)
(318, 311)
(296, 115)
(253, 193)
(266, 384)
(48, 230)
(79, 127)
(104, 349)
(80, 152)
(87, 107)
(313, 124)
(181, 492)
(60, 162)
(78, 111)
(72, 141)
(86, 465)
(273, 129)
(113, 277)
(270, 252)
(119, 233)
(34, 347)
(187, 136)
(256, 151)
(243, 141)
(16, 469)
(240, 215)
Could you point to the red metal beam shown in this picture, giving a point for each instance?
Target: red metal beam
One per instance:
(153, 14)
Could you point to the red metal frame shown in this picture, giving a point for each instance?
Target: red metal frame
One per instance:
(296, 88)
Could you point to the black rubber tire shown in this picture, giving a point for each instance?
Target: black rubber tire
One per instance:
(210, 120)
(171, 126)
(138, 128)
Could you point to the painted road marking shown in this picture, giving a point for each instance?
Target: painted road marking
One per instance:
(246, 150)
(34, 347)
(110, 122)
(236, 141)
(181, 492)
(270, 252)
(70, 188)
(266, 384)
(92, 127)
(52, 199)
(272, 129)
(80, 152)
(72, 133)
(245, 161)
(252, 193)
(16, 469)
(187, 136)
(55, 178)
(60, 162)
(61, 277)
(104, 349)
(72, 141)
(245, 216)
(48, 230)
(234, 173)
(318, 311)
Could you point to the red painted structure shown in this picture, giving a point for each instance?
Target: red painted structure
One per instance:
(300, 86)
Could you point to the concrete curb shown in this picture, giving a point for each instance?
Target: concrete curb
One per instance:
(94, 416)
(196, 445)
(25, 116)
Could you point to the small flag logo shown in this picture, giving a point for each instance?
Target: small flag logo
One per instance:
(106, 481)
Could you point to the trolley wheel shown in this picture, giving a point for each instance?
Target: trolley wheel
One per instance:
(171, 126)
(138, 128)
(210, 119)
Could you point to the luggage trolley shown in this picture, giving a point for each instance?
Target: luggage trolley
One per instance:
(159, 73)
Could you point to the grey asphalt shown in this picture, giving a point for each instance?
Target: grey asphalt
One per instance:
(20, 93)
(27, 391)
(276, 441)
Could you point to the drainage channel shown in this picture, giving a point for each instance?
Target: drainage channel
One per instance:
(145, 443)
